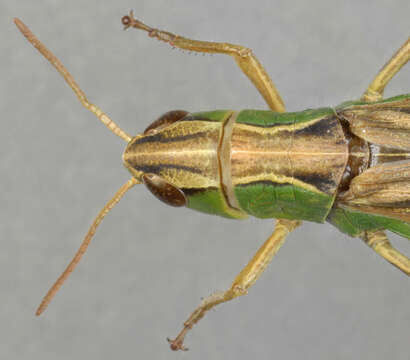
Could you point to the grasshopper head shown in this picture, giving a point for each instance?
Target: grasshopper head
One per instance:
(146, 163)
(178, 159)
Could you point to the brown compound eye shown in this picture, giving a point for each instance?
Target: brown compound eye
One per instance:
(164, 120)
(164, 191)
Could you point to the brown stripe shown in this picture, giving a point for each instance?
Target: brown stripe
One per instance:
(323, 128)
(157, 169)
(160, 138)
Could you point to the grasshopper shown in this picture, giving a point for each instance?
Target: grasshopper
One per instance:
(347, 165)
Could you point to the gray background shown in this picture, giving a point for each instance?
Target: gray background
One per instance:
(325, 296)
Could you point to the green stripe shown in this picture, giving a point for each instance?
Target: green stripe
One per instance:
(283, 201)
(349, 103)
(354, 223)
(210, 201)
(266, 118)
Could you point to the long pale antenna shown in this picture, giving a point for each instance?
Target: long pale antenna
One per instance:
(104, 118)
(84, 245)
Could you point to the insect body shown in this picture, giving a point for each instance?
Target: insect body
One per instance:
(347, 165)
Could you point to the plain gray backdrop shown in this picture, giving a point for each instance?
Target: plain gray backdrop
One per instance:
(325, 296)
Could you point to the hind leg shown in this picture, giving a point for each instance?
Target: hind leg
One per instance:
(376, 88)
(379, 242)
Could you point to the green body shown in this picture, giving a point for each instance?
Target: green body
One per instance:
(268, 164)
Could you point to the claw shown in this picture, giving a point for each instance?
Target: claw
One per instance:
(130, 21)
(176, 345)
(178, 342)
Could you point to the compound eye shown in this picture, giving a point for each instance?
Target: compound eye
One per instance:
(168, 118)
(164, 191)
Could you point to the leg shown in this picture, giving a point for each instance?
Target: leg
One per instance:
(246, 278)
(243, 56)
(70, 81)
(375, 90)
(379, 242)
(80, 252)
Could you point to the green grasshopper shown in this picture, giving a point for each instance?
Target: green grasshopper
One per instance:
(347, 165)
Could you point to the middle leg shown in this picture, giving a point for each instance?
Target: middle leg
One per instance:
(245, 279)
